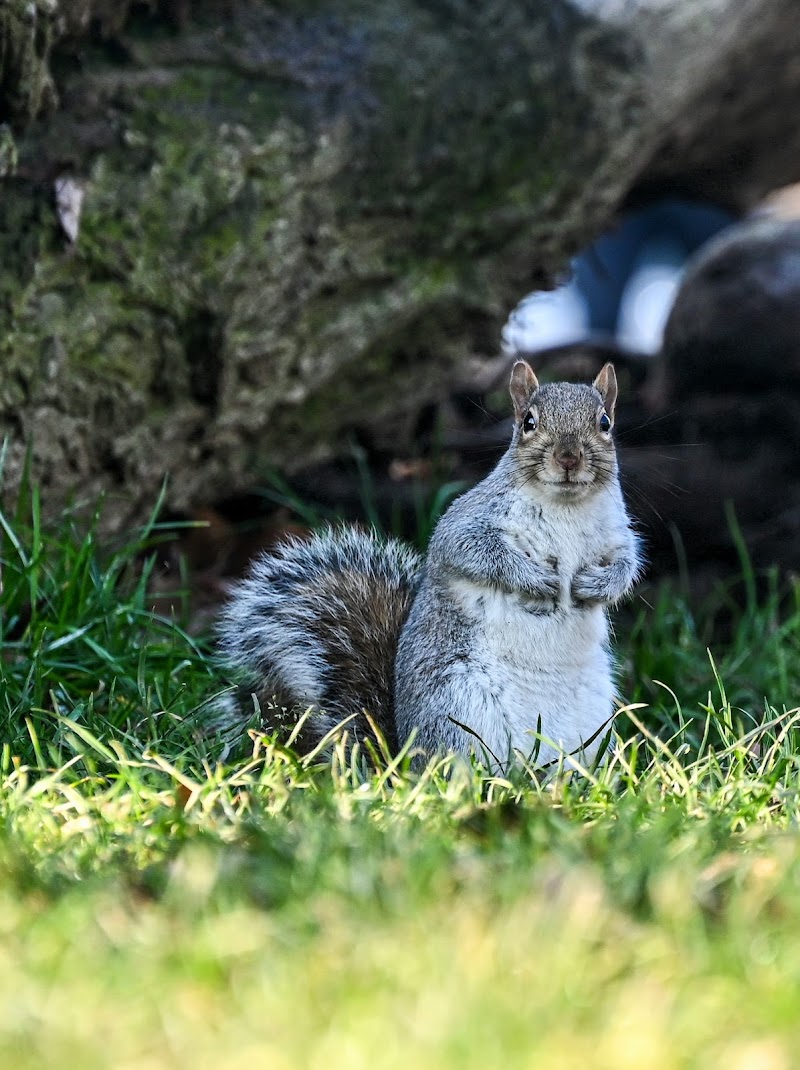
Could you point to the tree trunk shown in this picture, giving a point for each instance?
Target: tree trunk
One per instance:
(300, 220)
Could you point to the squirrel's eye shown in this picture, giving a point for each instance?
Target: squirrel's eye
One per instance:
(604, 423)
(529, 423)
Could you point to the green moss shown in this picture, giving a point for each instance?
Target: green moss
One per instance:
(27, 34)
(287, 216)
(24, 237)
(220, 96)
(174, 222)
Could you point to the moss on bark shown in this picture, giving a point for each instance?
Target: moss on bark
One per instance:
(297, 220)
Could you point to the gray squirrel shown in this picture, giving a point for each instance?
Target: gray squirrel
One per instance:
(496, 643)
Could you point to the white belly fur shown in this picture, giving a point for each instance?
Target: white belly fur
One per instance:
(548, 674)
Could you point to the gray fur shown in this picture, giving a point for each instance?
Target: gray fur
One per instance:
(507, 636)
(316, 623)
(607, 582)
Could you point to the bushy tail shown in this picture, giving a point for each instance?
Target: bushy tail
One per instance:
(317, 624)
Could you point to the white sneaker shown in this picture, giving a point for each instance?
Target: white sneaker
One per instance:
(649, 295)
(547, 318)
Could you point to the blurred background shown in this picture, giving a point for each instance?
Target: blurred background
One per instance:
(283, 254)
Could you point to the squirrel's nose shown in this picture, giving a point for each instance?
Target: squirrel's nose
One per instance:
(569, 459)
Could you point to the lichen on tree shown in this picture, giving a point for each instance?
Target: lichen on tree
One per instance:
(300, 218)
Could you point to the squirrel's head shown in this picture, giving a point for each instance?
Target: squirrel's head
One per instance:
(563, 432)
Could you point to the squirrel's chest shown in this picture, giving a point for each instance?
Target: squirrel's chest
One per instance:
(567, 539)
(515, 633)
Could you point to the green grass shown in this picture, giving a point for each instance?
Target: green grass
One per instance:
(158, 909)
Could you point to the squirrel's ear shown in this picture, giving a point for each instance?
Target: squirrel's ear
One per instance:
(606, 385)
(523, 383)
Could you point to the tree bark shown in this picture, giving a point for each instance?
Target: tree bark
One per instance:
(301, 219)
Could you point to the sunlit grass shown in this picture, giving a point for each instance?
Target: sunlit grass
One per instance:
(303, 914)
(162, 908)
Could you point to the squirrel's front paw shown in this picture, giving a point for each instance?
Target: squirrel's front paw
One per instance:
(607, 580)
(591, 585)
(539, 580)
(546, 582)
(540, 590)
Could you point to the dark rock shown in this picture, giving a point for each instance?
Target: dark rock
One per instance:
(735, 324)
